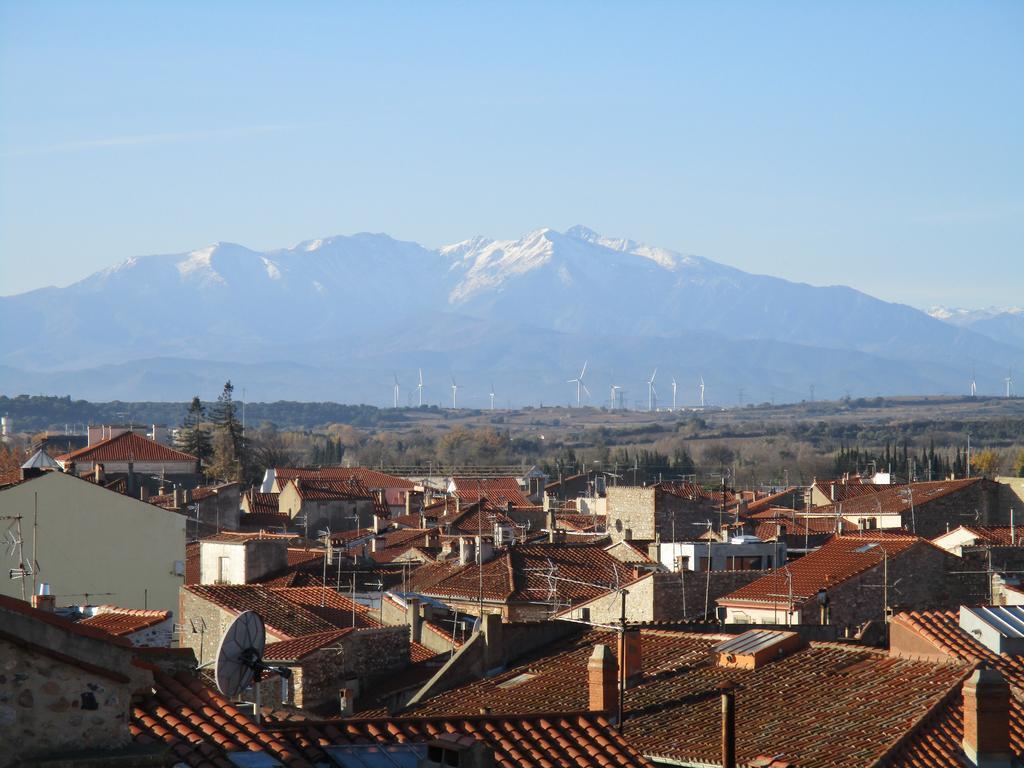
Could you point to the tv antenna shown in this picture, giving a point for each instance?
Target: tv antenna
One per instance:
(240, 658)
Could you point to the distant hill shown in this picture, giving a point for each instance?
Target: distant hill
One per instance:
(337, 318)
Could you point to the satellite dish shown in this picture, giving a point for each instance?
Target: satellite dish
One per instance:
(240, 654)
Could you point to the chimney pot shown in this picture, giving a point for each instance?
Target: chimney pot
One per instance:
(987, 719)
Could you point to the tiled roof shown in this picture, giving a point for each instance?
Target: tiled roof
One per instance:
(997, 535)
(578, 522)
(840, 491)
(767, 529)
(193, 572)
(895, 499)
(768, 501)
(838, 559)
(46, 617)
(124, 621)
(370, 478)
(201, 727)
(521, 574)
(823, 706)
(936, 742)
(298, 648)
(126, 447)
(472, 520)
(289, 612)
(426, 576)
(498, 491)
(262, 503)
(264, 520)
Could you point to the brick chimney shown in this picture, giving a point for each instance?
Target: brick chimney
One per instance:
(987, 719)
(98, 474)
(601, 681)
(466, 553)
(630, 650)
(44, 601)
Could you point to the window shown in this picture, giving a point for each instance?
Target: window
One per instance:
(223, 569)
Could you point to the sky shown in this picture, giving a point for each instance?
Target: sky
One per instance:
(876, 145)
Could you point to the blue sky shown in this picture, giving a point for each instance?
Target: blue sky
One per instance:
(877, 145)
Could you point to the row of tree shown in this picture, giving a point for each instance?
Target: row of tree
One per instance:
(216, 439)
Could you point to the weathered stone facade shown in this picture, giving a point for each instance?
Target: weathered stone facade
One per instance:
(664, 597)
(648, 512)
(353, 662)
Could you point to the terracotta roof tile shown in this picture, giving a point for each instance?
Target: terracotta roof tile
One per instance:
(289, 612)
(262, 503)
(124, 621)
(826, 705)
(937, 740)
(498, 491)
(201, 727)
(520, 574)
(839, 559)
(127, 446)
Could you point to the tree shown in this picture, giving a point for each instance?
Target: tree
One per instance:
(229, 461)
(194, 437)
(986, 462)
(1018, 463)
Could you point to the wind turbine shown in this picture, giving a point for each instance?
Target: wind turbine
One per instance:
(701, 391)
(455, 389)
(419, 388)
(615, 388)
(580, 386)
(1009, 383)
(673, 393)
(492, 395)
(396, 390)
(652, 396)
(974, 385)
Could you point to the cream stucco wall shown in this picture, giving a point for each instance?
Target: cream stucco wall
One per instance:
(93, 540)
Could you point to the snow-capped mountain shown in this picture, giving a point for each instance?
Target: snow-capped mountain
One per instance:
(1004, 324)
(358, 307)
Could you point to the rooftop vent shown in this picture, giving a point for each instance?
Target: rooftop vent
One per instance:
(1000, 628)
(755, 648)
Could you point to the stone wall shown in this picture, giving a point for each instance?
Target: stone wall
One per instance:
(647, 512)
(664, 597)
(46, 706)
(921, 578)
(982, 503)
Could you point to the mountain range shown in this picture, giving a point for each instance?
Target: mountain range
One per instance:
(339, 318)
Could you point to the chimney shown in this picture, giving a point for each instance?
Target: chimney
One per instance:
(143, 492)
(630, 652)
(98, 474)
(176, 495)
(832, 490)
(346, 701)
(728, 691)
(376, 543)
(601, 680)
(484, 550)
(551, 525)
(378, 524)
(465, 551)
(987, 719)
(44, 601)
(781, 534)
(412, 612)
(408, 502)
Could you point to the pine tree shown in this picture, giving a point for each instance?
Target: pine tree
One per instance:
(193, 437)
(228, 462)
